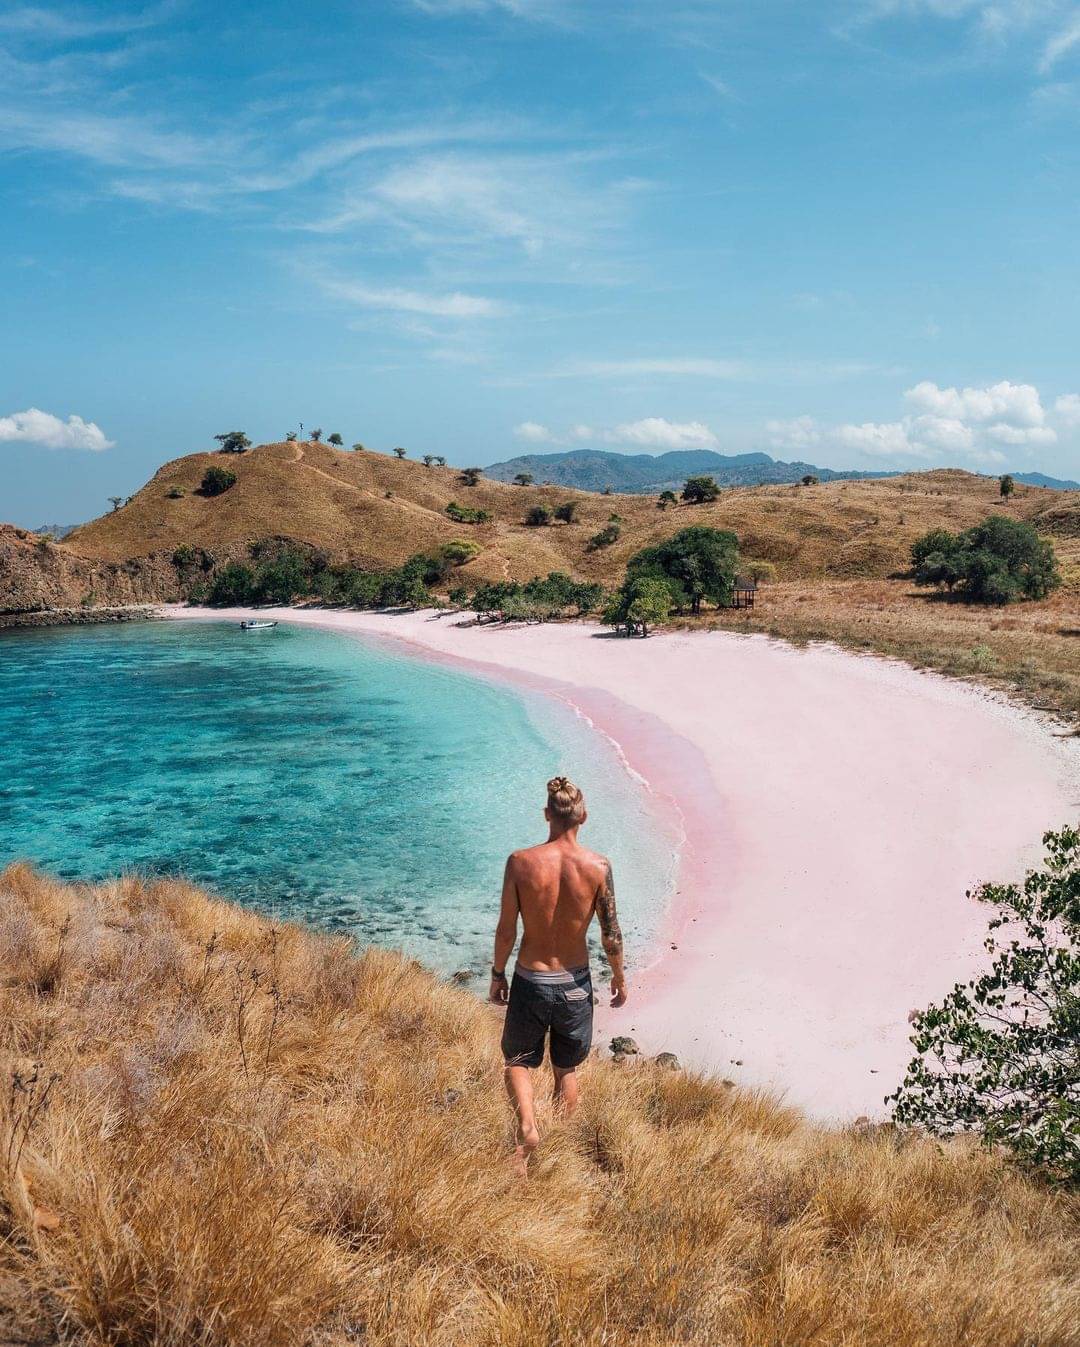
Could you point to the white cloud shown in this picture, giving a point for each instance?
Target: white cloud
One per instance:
(1012, 404)
(951, 423)
(801, 433)
(533, 431)
(37, 427)
(704, 367)
(1067, 408)
(657, 432)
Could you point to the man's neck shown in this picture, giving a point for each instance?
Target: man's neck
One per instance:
(556, 833)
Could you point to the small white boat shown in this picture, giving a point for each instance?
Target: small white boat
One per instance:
(256, 624)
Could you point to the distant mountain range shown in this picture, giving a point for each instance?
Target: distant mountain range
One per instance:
(57, 531)
(596, 470)
(1041, 479)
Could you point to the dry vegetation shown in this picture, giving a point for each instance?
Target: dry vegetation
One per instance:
(223, 1132)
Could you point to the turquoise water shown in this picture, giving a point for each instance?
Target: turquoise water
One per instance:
(305, 773)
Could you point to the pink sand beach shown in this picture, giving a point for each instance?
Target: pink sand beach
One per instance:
(835, 809)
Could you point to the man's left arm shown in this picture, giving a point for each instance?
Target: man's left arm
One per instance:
(505, 936)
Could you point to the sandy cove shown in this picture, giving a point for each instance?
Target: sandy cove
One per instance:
(836, 808)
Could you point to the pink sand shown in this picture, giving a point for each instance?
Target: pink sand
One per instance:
(835, 808)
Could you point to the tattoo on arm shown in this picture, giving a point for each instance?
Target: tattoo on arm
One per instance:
(605, 910)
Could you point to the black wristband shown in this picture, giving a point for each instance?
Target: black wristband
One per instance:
(496, 974)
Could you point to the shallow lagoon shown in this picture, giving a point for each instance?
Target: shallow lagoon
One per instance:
(306, 773)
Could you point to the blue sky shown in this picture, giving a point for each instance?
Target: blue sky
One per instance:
(839, 230)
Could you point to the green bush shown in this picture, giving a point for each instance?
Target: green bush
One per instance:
(538, 516)
(233, 584)
(699, 490)
(460, 551)
(998, 561)
(233, 442)
(567, 512)
(665, 499)
(643, 601)
(465, 514)
(335, 439)
(609, 534)
(173, 493)
(184, 556)
(541, 598)
(217, 480)
(1001, 1055)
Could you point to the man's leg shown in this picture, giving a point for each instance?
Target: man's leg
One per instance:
(519, 1087)
(566, 1088)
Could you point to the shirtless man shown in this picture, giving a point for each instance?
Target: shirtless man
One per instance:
(556, 887)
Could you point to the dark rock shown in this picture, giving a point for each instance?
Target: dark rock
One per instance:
(619, 1057)
(623, 1045)
(462, 976)
(667, 1060)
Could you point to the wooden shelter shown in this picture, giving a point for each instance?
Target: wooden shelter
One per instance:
(742, 594)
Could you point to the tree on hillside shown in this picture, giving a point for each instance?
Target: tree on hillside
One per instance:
(440, 460)
(233, 442)
(665, 499)
(428, 460)
(699, 490)
(699, 562)
(316, 434)
(116, 502)
(998, 561)
(399, 451)
(808, 479)
(358, 447)
(609, 534)
(1001, 1055)
(470, 476)
(567, 511)
(1006, 486)
(290, 436)
(538, 516)
(335, 439)
(524, 479)
(216, 480)
(460, 551)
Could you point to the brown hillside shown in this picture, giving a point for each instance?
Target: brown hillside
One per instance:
(338, 501)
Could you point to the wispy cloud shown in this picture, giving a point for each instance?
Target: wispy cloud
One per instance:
(1059, 46)
(73, 24)
(651, 432)
(395, 299)
(37, 427)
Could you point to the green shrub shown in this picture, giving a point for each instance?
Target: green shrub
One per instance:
(335, 439)
(217, 480)
(538, 516)
(665, 499)
(233, 584)
(184, 556)
(460, 551)
(1001, 1055)
(567, 512)
(998, 561)
(173, 493)
(699, 490)
(465, 514)
(609, 534)
(642, 601)
(233, 442)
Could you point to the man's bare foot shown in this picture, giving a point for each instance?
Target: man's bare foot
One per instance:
(527, 1142)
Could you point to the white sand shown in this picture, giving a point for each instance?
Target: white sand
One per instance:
(836, 808)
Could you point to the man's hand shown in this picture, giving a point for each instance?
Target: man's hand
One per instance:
(499, 992)
(618, 992)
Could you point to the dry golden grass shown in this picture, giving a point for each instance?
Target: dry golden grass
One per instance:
(244, 1134)
(1027, 649)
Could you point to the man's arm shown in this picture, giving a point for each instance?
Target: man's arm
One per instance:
(611, 935)
(505, 936)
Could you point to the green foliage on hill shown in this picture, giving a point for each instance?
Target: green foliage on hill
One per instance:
(1000, 560)
(641, 602)
(465, 514)
(538, 600)
(217, 480)
(1001, 1055)
(698, 563)
(285, 575)
(698, 490)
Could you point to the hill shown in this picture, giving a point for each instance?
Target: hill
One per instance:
(598, 470)
(376, 511)
(220, 1131)
(1041, 479)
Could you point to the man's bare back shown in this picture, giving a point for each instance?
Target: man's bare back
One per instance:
(554, 888)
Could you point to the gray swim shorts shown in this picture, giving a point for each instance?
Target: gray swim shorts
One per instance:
(556, 1004)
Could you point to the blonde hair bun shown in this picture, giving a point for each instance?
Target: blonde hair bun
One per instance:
(565, 801)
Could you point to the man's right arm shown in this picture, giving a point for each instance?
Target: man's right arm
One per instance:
(611, 935)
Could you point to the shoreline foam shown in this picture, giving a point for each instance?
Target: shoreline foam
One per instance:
(835, 808)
